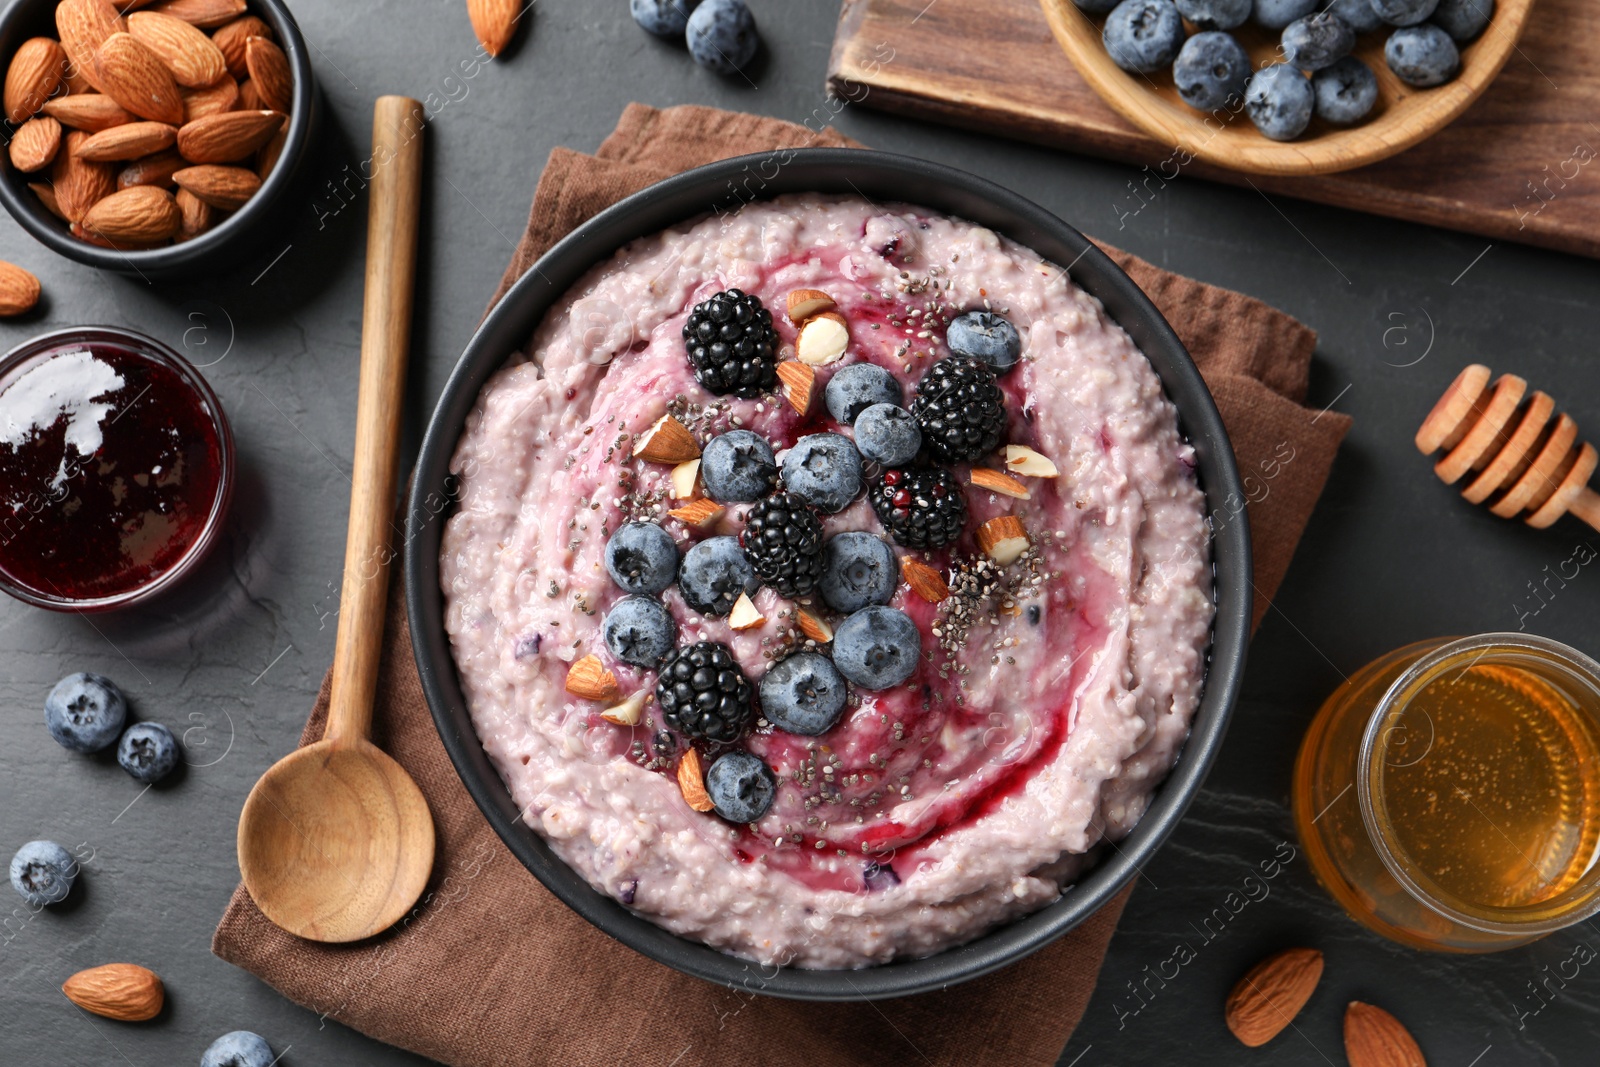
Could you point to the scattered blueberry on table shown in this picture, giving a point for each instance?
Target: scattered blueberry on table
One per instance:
(1423, 56)
(640, 631)
(888, 434)
(722, 35)
(241, 1048)
(1279, 100)
(664, 18)
(85, 712)
(43, 873)
(1211, 69)
(1345, 91)
(741, 786)
(1143, 36)
(824, 470)
(148, 751)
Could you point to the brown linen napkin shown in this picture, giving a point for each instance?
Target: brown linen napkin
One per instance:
(490, 970)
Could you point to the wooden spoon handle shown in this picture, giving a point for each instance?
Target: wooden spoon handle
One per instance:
(1586, 506)
(395, 194)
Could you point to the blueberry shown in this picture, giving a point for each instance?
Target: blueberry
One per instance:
(1345, 91)
(857, 569)
(1143, 35)
(737, 467)
(1403, 12)
(888, 435)
(43, 872)
(741, 786)
(722, 35)
(1357, 14)
(1463, 19)
(664, 18)
(1211, 69)
(148, 751)
(1316, 41)
(85, 712)
(641, 557)
(877, 647)
(1215, 14)
(1279, 101)
(1276, 14)
(986, 336)
(714, 573)
(1096, 7)
(823, 470)
(1423, 56)
(640, 631)
(240, 1048)
(857, 387)
(804, 694)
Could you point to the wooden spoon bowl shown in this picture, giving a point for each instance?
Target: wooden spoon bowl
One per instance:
(1518, 454)
(1402, 116)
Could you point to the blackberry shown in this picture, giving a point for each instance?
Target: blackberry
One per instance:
(921, 508)
(783, 540)
(703, 693)
(732, 345)
(960, 410)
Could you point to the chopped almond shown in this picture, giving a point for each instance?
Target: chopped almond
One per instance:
(924, 580)
(684, 476)
(668, 441)
(692, 782)
(798, 381)
(1020, 459)
(698, 513)
(589, 679)
(822, 339)
(745, 615)
(804, 303)
(626, 713)
(813, 627)
(995, 482)
(1003, 539)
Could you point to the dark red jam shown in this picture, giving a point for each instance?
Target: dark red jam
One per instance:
(110, 466)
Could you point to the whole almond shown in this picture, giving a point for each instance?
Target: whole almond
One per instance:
(193, 59)
(207, 14)
(47, 197)
(75, 80)
(156, 170)
(197, 216)
(494, 22)
(222, 187)
(79, 183)
(270, 152)
(1374, 1038)
(231, 39)
(87, 111)
(84, 25)
(249, 99)
(19, 290)
(141, 215)
(34, 145)
(1271, 994)
(270, 74)
(228, 137)
(132, 76)
(996, 482)
(128, 141)
(212, 100)
(121, 991)
(692, 782)
(33, 77)
(925, 581)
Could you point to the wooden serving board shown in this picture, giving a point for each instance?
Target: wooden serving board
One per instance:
(1519, 165)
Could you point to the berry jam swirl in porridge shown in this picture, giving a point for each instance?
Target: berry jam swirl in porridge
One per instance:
(828, 579)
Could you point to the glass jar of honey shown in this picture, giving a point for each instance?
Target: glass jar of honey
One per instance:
(1448, 794)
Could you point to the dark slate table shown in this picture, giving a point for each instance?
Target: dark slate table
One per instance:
(1391, 555)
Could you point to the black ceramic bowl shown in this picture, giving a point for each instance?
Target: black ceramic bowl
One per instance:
(880, 176)
(228, 245)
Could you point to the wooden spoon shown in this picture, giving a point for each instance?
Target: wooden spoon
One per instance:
(335, 840)
(1524, 458)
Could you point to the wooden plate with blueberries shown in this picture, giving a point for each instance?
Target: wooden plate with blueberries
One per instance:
(1288, 86)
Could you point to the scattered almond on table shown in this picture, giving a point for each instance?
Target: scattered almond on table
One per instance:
(1271, 994)
(19, 290)
(494, 22)
(125, 992)
(1374, 1038)
(149, 127)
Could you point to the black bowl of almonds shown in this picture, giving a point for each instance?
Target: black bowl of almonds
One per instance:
(159, 141)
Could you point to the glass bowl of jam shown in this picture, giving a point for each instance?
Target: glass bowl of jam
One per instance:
(116, 469)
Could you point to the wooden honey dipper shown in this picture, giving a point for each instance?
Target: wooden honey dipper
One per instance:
(1523, 456)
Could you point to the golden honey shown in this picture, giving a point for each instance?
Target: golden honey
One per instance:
(1448, 794)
